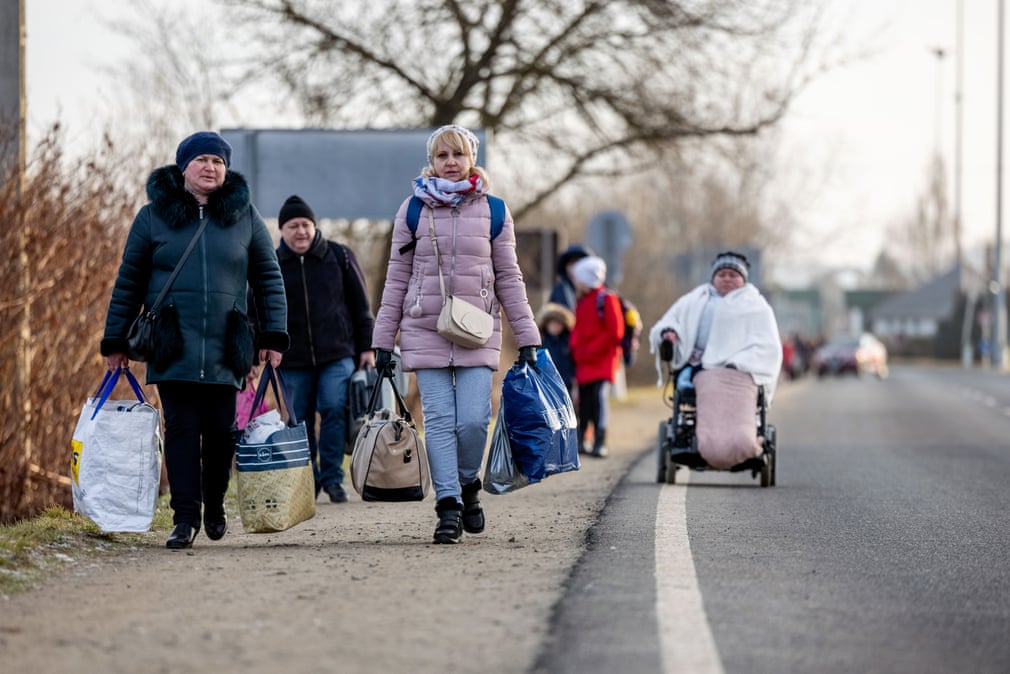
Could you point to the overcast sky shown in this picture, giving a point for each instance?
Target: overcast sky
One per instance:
(861, 136)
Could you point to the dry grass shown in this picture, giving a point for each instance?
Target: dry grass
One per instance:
(65, 223)
(34, 549)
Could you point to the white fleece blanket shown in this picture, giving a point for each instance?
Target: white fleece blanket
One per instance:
(744, 334)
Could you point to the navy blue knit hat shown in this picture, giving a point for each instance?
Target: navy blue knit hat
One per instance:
(202, 142)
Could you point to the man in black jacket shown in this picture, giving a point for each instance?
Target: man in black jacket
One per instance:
(330, 324)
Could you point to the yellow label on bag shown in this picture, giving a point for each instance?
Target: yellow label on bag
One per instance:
(75, 458)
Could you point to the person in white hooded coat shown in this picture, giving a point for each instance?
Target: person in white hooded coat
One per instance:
(726, 332)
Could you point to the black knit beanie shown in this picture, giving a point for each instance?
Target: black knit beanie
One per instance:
(295, 207)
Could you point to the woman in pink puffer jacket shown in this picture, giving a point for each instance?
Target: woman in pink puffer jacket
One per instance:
(454, 381)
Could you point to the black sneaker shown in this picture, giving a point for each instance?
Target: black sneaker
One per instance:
(337, 493)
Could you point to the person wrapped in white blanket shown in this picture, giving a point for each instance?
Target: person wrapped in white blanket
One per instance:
(725, 343)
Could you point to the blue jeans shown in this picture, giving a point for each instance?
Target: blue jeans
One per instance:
(322, 389)
(685, 380)
(456, 404)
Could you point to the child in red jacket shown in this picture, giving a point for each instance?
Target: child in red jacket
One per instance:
(596, 349)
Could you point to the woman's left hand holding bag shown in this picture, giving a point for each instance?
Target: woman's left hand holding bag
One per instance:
(271, 356)
(117, 360)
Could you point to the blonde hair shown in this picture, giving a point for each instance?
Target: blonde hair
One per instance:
(458, 143)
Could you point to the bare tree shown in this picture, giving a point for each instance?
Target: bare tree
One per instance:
(694, 200)
(571, 89)
(926, 237)
(581, 98)
(887, 273)
(178, 81)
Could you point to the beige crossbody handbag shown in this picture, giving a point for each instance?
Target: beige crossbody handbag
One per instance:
(459, 321)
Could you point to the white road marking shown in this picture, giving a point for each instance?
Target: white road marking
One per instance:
(685, 640)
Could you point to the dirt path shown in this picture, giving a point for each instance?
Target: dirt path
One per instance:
(359, 588)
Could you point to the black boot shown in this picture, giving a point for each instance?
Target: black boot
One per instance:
(215, 522)
(182, 536)
(473, 514)
(599, 443)
(450, 527)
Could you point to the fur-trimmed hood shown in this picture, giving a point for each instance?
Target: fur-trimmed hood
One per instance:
(177, 207)
(555, 311)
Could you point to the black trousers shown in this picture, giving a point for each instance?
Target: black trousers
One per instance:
(593, 410)
(199, 446)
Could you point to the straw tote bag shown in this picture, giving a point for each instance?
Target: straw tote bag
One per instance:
(276, 488)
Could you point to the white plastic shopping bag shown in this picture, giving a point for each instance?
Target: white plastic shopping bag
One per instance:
(260, 428)
(116, 460)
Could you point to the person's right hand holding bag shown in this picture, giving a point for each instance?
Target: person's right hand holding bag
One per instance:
(383, 360)
(539, 416)
(528, 355)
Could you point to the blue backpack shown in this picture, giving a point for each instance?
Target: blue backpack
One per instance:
(415, 206)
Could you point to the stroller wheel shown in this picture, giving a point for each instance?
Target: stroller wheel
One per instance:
(766, 470)
(671, 473)
(771, 453)
(664, 438)
(662, 451)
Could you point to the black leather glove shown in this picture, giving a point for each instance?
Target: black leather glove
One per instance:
(383, 361)
(666, 350)
(528, 355)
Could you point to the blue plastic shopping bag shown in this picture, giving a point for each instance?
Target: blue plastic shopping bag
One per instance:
(540, 418)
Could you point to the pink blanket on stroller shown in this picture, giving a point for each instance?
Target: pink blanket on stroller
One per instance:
(726, 426)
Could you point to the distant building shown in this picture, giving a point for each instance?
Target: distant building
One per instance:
(927, 320)
(859, 304)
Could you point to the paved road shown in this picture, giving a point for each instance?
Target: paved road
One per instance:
(885, 546)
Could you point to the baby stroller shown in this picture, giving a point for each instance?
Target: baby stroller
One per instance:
(677, 444)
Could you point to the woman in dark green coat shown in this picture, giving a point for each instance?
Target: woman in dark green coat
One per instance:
(204, 346)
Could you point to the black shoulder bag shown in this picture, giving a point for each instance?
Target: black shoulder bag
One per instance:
(141, 337)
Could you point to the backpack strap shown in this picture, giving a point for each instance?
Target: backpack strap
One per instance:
(497, 207)
(600, 299)
(414, 208)
(341, 255)
(413, 217)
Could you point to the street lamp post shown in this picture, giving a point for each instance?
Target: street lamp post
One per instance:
(968, 289)
(999, 301)
(940, 53)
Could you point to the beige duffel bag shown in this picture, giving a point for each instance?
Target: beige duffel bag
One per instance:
(389, 462)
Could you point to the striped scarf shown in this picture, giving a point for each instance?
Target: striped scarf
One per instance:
(441, 192)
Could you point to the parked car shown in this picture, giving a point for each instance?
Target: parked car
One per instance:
(859, 355)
